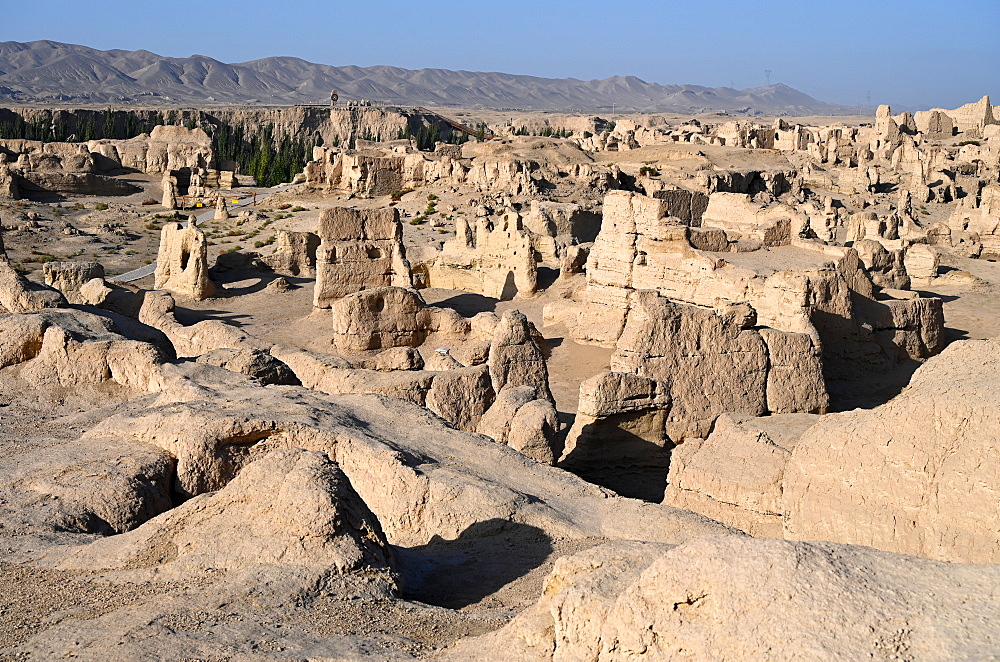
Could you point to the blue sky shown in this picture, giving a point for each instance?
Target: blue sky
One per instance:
(913, 54)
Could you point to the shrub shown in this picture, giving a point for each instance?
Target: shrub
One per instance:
(101, 206)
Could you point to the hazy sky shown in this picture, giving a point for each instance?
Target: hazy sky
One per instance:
(913, 53)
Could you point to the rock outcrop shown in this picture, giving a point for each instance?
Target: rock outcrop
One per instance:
(99, 486)
(977, 221)
(255, 363)
(523, 420)
(910, 476)
(820, 291)
(157, 310)
(628, 601)
(743, 220)
(556, 226)
(516, 166)
(515, 359)
(718, 363)
(921, 262)
(20, 295)
(736, 475)
(71, 348)
(69, 277)
(676, 369)
(215, 423)
(459, 395)
(386, 317)
(913, 476)
(619, 436)
(290, 508)
(32, 166)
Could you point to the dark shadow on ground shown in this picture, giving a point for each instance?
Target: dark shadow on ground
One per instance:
(934, 295)
(547, 345)
(863, 364)
(546, 277)
(187, 316)
(133, 329)
(469, 304)
(566, 423)
(44, 197)
(484, 558)
(867, 389)
(261, 277)
(612, 453)
(951, 335)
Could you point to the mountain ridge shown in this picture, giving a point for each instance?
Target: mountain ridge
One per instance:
(50, 71)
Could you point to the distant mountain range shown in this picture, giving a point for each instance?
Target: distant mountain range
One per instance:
(49, 71)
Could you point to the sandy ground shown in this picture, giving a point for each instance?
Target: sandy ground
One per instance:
(121, 232)
(970, 305)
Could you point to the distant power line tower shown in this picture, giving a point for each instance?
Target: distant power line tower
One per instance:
(767, 76)
(868, 101)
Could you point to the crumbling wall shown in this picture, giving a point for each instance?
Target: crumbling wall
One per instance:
(182, 262)
(359, 249)
(497, 261)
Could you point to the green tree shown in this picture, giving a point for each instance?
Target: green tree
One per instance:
(59, 133)
(131, 125)
(38, 129)
(109, 124)
(85, 128)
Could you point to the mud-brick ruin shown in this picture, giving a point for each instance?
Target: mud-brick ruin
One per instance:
(657, 389)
